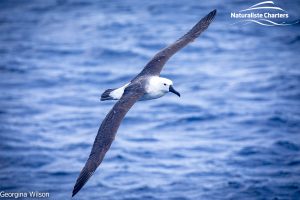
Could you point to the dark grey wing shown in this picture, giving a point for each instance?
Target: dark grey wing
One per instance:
(155, 65)
(107, 132)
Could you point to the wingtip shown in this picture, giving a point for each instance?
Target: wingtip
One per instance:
(75, 190)
(73, 193)
(213, 13)
(210, 16)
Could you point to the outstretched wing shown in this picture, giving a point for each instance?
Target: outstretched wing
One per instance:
(155, 65)
(107, 132)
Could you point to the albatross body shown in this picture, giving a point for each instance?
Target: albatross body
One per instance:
(146, 85)
(155, 87)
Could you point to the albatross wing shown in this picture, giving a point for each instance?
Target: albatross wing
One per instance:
(155, 65)
(107, 132)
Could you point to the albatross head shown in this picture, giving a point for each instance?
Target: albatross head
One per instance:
(162, 85)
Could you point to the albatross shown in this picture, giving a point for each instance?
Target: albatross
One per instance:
(146, 85)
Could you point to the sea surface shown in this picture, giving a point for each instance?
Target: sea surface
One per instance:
(234, 133)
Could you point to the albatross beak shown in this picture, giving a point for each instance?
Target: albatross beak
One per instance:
(171, 89)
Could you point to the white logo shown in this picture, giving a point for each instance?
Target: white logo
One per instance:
(265, 13)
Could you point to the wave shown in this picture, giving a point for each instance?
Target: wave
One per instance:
(254, 7)
(266, 22)
(261, 3)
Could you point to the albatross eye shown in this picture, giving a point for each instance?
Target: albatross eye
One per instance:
(165, 84)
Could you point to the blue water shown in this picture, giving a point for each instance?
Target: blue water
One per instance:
(234, 133)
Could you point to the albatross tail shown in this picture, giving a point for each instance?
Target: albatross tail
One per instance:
(113, 94)
(106, 95)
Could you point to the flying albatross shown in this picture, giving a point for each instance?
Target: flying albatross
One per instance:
(146, 85)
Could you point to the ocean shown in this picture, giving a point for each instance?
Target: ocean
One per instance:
(233, 134)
